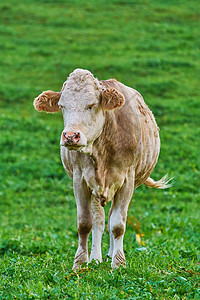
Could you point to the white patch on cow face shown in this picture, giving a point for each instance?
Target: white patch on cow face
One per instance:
(82, 113)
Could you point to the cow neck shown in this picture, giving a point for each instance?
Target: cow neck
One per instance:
(104, 148)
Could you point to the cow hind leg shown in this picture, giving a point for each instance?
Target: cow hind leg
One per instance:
(110, 252)
(97, 230)
(118, 220)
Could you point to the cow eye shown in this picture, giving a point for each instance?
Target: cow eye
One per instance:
(90, 106)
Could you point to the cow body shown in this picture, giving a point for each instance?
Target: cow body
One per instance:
(109, 146)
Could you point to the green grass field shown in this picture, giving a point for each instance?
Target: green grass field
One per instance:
(152, 46)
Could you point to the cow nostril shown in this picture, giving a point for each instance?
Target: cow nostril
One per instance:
(77, 135)
(71, 138)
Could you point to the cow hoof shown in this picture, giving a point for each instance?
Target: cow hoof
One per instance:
(77, 266)
(96, 260)
(80, 259)
(118, 260)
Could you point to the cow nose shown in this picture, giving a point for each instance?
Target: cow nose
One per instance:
(71, 138)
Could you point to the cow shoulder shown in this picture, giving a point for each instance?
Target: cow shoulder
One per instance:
(121, 136)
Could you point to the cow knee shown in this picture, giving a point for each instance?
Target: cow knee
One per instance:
(84, 228)
(118, 230)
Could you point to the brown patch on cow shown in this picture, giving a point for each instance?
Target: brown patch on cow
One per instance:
(118, 231)
(142, 109)
(156, 134)
(102, 200)
(84, 228)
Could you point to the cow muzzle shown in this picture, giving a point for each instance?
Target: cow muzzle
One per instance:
(73, 140)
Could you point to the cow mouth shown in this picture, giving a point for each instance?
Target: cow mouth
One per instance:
(73, 147)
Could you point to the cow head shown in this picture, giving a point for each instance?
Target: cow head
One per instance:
(83, 102)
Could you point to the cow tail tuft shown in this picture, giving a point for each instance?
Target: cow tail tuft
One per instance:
(163, 183)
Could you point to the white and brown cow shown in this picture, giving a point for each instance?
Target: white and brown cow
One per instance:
(109, 146)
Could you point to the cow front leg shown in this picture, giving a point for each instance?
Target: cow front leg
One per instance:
(118, 220)
(97, 230)
(84, 220)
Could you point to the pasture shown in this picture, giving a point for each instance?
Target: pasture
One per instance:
(152, 46)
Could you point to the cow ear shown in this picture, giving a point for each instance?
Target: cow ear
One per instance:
(111, 99)
(47, 101)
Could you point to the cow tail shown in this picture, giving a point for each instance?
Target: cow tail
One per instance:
(163, 183)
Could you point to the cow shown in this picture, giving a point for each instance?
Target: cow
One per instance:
(109, 146)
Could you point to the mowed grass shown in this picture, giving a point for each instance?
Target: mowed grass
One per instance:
(152, 46)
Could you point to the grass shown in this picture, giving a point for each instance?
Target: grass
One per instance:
(152, 46)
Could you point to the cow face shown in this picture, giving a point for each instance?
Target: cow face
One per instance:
(82, 114)
(83, 103)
